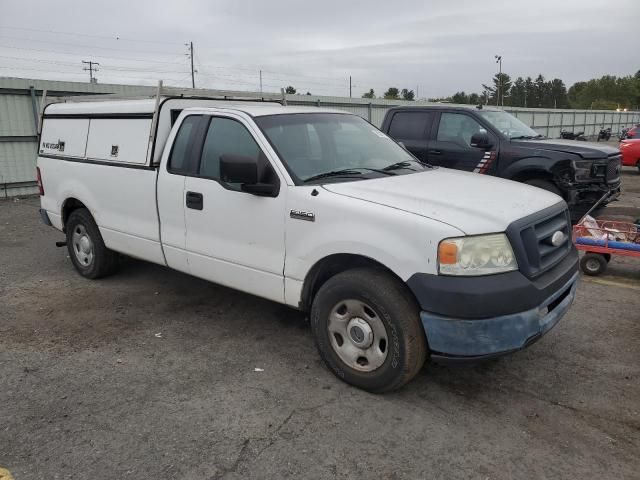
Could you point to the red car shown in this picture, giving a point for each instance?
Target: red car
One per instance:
(633, 133)
(630, 150)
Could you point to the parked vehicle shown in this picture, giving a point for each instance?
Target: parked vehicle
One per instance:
(493, 142)
(566, 135)
(630, 133)
(603, 239)
(604, 134)
(630, 150)
(316, 209)
(623, 133)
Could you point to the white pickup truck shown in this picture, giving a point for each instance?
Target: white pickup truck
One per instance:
(395, 260)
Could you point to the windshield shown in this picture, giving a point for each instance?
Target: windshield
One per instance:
(508, 124)
(335, 147)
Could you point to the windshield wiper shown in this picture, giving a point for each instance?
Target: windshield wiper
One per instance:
(399, 166)
(404, 165)
(346, 172)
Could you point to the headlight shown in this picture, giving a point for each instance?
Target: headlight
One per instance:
(477, 255)
(582, 169)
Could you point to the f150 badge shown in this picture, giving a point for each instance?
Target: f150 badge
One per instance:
(54, 146)
(303, 215)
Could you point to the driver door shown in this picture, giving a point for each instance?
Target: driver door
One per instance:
(451, 147)
(234, 238)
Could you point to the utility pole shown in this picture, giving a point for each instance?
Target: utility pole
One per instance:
(417, 92)
(500, 97)
(349, 86)
(91, 69)
(193, 78)
(260, 81)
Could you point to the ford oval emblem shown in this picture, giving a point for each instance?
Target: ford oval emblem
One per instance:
(558, 238)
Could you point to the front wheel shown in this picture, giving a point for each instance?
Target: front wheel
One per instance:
(368, 331)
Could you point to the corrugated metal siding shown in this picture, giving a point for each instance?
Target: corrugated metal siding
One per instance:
(17, 159)
(17, 162)
(16, 116)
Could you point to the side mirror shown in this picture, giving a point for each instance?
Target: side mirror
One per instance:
(244, 170)
(480, 140)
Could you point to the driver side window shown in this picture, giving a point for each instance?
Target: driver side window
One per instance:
(458, 128)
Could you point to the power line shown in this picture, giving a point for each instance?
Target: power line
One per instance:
(91, 69)
(102, 66)
(98, 56)
(87, 35)
(83, 45)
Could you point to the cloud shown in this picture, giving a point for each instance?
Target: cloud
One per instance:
(440, 46)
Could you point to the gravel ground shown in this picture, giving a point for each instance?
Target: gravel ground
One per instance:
(151, 374)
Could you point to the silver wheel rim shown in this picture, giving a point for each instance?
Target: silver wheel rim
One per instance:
(358, 335)
(592, 265)
(82, 245)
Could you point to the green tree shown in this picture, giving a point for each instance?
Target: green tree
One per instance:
(558, 92)
(460, 97)
(474, 99)
(369, 94)
(290, 90)
(518, 93)
(501, 86)
(408, 94)
(392, 94)
(308, 93)
(529, 92)
(540, 96)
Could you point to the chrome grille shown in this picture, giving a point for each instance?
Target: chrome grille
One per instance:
(531, 240)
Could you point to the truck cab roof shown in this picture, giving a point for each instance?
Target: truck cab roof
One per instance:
(446, 106)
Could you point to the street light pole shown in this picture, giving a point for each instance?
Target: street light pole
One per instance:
(500, 97)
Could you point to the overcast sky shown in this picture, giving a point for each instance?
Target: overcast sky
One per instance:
(438, 46)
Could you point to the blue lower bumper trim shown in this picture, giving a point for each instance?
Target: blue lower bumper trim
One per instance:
(490, 336)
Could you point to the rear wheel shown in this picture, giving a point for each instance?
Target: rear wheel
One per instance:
(91, 258)
(368, 331)
(638, 165)
(593, 263)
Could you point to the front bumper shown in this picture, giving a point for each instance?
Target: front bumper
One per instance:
(589, 194)
(465, 339)
(467, 318)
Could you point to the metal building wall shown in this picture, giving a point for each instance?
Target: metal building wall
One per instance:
(18, 141)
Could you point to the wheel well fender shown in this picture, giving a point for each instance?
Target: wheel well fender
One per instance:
(530, 167)
(330, 266)
(524, 175)
(68, 206)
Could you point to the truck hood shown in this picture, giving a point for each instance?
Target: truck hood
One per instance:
(587, 150)
(470, 202)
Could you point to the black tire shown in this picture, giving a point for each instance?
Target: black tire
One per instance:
(547, 185)
(103, 261)
(593, 264)
(394, 307)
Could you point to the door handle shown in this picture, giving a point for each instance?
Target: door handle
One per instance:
(435, 152)
(195, 200)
